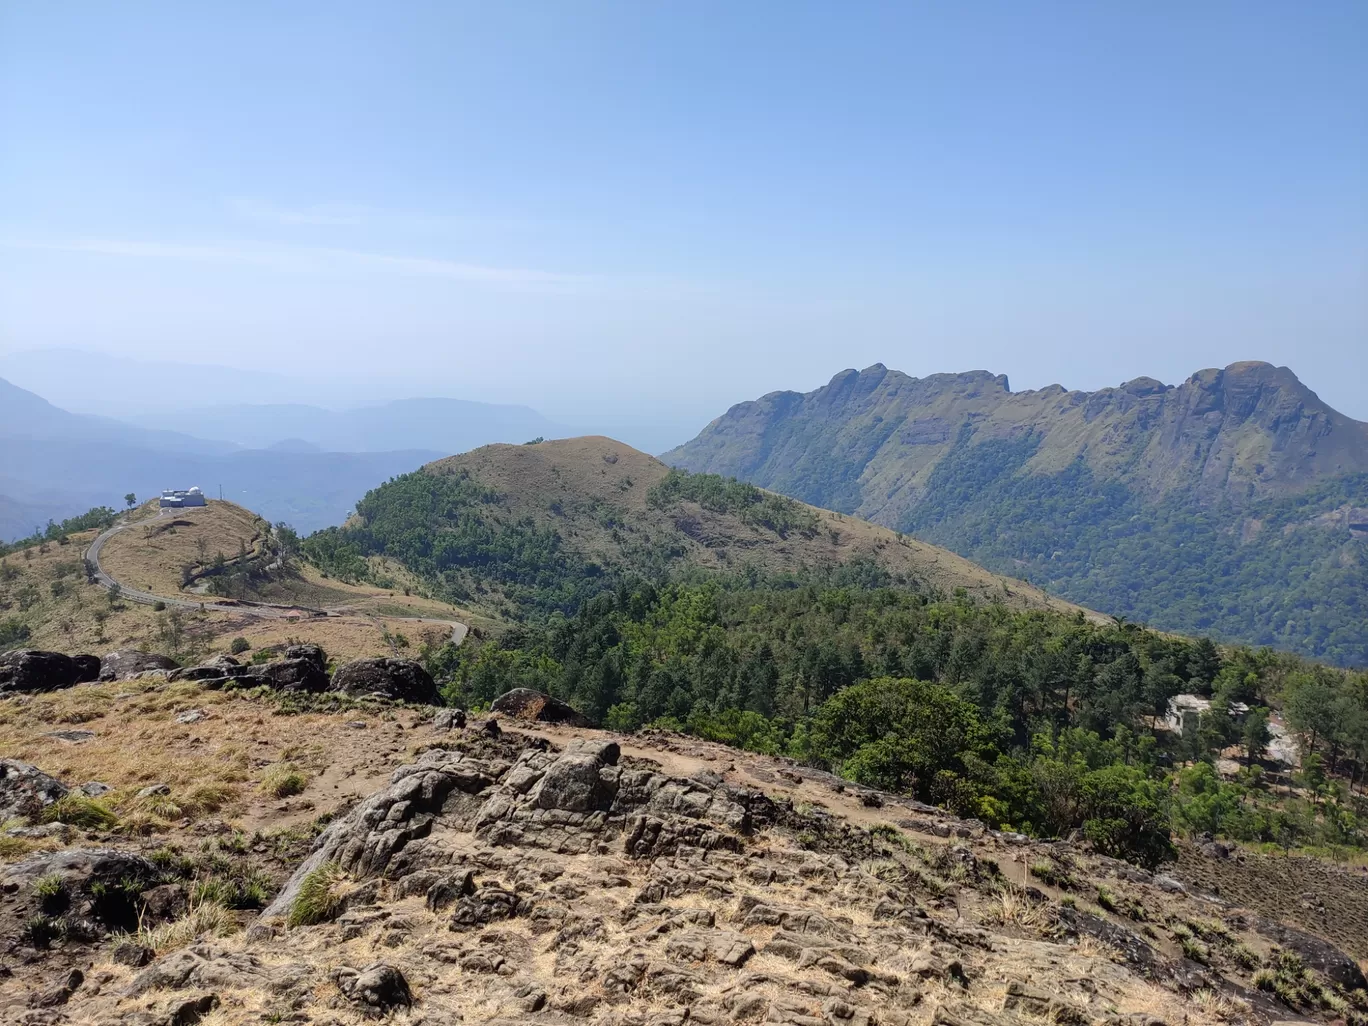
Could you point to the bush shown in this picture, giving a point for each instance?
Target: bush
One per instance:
(239, 645)
(158, 606)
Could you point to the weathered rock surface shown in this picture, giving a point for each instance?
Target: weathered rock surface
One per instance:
(515, 878)
(377, 988)
(529, 705)
(220, 666)
(86, 892)
(87, 668)
(127, 664)
(312, 653)
(25, 790)
(294, 674)
(400, 679)
(28, 669)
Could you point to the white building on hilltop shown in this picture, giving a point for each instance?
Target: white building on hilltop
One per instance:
(176, 499)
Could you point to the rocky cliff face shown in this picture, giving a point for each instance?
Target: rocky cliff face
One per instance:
(868, 441)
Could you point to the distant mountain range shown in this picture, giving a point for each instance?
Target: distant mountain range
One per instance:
(1234, 504)
(441, 425)
(301, 464)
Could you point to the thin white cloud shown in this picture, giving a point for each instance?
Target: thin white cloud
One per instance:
(309, 259)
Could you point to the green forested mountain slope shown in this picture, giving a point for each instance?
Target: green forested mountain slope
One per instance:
(1234, 504)
(517, 529)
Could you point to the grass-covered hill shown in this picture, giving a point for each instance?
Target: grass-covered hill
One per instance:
(540, 527)
(1235, 504)
(210, 563)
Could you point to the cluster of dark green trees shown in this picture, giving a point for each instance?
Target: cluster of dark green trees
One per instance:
(448, 529)
(728, 495)
(98, 517)
(1027, 720)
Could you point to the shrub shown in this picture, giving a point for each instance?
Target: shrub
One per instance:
(158, 606)
(320, 896)
(239, 645)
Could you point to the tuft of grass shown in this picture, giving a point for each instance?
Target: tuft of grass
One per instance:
(1015, 906)
(1245, 956)
(284, 780)
(75, 809)
(40, 931)
(202, 918)
(320, 896)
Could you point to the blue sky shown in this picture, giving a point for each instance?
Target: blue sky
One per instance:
(627, 210)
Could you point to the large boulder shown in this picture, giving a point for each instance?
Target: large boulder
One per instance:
(130, 663)
(299, 674)
(220, 666)
(400, 679)
(575, 781)
(26, 790)
(313, 653)
(87, 668)
(526, 704)
(28, 669)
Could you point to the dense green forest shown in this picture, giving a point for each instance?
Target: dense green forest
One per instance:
(448, 529)
(1263, 574)
(1027, 720)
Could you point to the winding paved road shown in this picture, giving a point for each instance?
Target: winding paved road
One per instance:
(264, 610)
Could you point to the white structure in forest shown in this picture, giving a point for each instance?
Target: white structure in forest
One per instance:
(176, 499)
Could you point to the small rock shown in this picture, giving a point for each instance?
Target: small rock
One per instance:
(60, 994)
(94, 789)
(377, 988)
(154, 790)
(134, 954)
(190, 716)
(448, 719)
(187, 1013)
(355, 724)
(73, 736)
(26, 790)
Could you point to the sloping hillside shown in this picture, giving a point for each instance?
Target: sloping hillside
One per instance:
(1223, 505)
(544, 524)
(50, 598)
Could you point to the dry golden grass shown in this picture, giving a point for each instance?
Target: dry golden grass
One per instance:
(215, 767)
(150, 554)
(79, 617)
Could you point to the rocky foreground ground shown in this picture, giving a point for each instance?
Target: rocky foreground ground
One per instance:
(516, 871)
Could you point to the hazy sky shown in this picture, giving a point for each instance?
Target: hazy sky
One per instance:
(628, 210)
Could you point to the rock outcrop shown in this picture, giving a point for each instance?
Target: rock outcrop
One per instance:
(402, 680)
(25, 790)
(28, 669)
(534, 706)
(128, 664)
